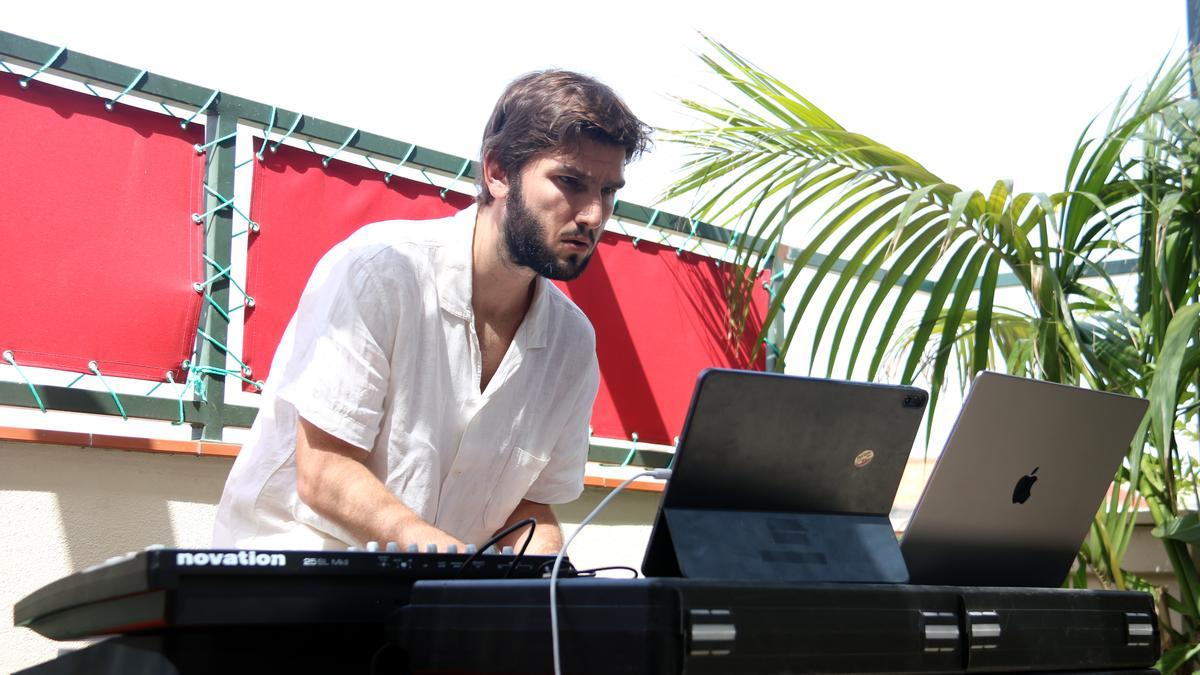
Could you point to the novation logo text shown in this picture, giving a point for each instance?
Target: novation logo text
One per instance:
(241, 558)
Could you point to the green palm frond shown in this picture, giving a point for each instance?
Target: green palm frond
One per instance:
(884, 237)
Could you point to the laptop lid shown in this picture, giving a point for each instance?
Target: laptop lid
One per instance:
(767, 443)
(1023, 472)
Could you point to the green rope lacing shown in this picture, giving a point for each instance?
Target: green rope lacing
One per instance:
(266, 135)
(214, 305)
(245, 368)
(729, 244)
(200, 149)
(210, 370)
(772, 346)
(769, 256)
(224, 202)
(653, 217)
(24, 81)
(8, 356)
(632, 450)
(109, 105)
(621, 225)
(295, 123)
(168, 110)
(76, 380)
(325, 162)
(116, 399)
(212, 97)
(5, 66)
(407, 155)
(428, 179)
(170, 378)
(182, 392)
(222, 272)
(692, 222)
(466, 165)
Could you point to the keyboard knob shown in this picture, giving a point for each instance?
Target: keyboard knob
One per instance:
(412, 548)
(472, 549)
(353, 548)
(452, 548)
(431, 548)
(393, 547)
(372, 546)
(508, 550)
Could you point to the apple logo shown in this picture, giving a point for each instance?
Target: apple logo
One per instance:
(1024, 487)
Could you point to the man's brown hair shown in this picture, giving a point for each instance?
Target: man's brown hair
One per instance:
(551, 110)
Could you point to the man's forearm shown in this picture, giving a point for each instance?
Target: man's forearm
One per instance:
(333, 481)
(547, 538)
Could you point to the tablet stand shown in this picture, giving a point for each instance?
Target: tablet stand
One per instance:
(773, 546)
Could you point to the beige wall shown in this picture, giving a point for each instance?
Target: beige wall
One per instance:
(66, 508)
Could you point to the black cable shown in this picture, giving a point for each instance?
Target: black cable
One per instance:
(525, 545)
(592, 572)
(531, 522)
(570, 569)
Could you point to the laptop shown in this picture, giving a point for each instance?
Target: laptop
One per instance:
(786, 478)
(1016, 488)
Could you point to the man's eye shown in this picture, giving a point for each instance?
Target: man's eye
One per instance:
(609, 192)
(569, 181)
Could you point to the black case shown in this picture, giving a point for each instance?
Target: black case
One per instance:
(710, 627)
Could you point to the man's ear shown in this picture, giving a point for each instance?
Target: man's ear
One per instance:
(495, 177)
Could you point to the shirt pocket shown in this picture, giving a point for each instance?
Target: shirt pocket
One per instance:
(511, 487)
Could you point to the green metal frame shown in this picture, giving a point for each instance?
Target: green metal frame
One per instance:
(223, 113)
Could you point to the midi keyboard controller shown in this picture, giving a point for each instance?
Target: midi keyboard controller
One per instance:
(164, 587)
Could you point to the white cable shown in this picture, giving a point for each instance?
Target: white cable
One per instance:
(662, 474)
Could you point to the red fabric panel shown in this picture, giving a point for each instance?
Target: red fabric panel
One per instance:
(660, 319)
(303, 209)
(98, 252)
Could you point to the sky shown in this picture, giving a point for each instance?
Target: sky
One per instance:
(975, 91)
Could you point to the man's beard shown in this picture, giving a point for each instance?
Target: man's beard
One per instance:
(525, 238)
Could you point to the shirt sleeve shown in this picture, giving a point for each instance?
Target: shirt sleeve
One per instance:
(561, 481)
(344, 333)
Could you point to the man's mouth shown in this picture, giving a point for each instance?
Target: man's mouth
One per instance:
(577, 243)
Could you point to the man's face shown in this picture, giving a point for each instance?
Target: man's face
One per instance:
(557, 206)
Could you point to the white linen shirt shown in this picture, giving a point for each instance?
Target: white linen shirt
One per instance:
(382, 353)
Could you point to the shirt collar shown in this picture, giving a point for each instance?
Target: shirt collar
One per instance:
(453, 268)
(453, 271)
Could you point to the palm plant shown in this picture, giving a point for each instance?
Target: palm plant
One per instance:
(766, 159)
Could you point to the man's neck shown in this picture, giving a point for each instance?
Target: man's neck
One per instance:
(500, 290)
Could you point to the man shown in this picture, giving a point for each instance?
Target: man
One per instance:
(433, 386)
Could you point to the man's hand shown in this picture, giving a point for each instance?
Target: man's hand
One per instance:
(333, 480)
(547, 539)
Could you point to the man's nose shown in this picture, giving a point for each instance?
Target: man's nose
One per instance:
(591, 214)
